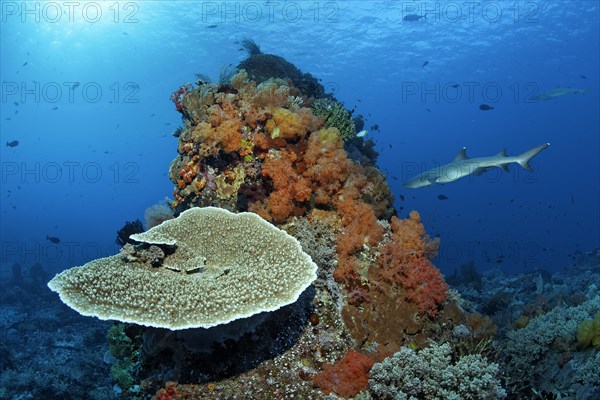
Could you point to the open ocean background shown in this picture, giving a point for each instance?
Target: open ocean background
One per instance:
(94, 155)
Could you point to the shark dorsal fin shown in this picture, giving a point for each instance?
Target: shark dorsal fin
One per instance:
(502, 153)
(462, 155)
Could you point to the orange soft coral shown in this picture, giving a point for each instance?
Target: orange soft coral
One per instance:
(230, 134)
(403, 262)
(347, 377)
(360, 226)
(326, 164)
(289, 188)
(346, 271)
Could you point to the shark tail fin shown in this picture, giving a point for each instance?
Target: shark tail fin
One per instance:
(524, 158)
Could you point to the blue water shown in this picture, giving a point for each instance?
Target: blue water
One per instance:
(96, 155)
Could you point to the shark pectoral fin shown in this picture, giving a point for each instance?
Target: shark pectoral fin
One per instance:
(479, 171)
(462, 155)
(505, 167)
(433, 179)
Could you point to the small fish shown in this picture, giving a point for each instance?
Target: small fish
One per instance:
(455, 85)
(442, 197)
(485, 107)
(53, 239)
(362, 133)
(401, 197)
(413, 17)
(75, 85)
(54, 108)
(24, 64)
(583, 77)
(125, 34)
(212, 26)
(424, 64)
(572, 199)
(375, 127)
(15, 103)
(152, 115)
(428, 110)
(14, 143)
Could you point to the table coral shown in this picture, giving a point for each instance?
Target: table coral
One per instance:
(219, 267)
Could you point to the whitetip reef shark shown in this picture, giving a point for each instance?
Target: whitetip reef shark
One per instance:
(557, 92)
(462, 166)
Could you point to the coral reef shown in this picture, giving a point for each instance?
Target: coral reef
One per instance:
(264, 320)
(536, 319)
(533, 352)
(46, 350)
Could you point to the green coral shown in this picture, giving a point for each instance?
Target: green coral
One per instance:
(121, 374)
(336, 116)
(126, 352)
(588, 332)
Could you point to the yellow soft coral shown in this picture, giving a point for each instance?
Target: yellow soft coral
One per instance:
(588, 332)
(286, 124)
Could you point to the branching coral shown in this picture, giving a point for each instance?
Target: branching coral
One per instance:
(336, 116)
(430, 374)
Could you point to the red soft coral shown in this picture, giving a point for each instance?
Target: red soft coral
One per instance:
(347, 377)
(403, 261)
